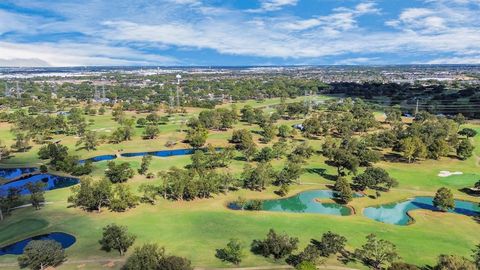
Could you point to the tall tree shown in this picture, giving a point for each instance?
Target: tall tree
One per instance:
(37, 191)
(377, 253)
(444, 200)
(116, 237)
(343, 190)
(119, 173)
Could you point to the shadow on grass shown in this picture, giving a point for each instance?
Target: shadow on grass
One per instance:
(322, 173)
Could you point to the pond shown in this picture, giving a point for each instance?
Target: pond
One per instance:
(162, 153)
(99, 158)
(305, 202)
(397, 213)
(65, 239)
(52, 182)
(10, 173)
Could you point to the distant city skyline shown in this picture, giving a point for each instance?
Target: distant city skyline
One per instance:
(238, 32)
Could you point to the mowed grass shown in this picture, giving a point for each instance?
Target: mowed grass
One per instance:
(195, 229)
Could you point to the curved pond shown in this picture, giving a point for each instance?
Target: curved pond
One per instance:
(51, 181)
(65, 239)
(10, 173)
(397, 213)
(305, 202)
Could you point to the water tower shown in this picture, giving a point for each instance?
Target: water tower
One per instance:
(179, 77)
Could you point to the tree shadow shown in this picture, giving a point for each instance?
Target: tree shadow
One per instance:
(393, 157)
(322, 173)
(470, 192)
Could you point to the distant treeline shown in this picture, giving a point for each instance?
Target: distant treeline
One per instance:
(436, 98)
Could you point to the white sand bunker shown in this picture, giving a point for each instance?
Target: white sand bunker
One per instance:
(448, 173)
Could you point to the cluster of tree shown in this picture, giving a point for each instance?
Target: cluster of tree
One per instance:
(435, 97)
(188, 184)
(375, 253)
(61, 160)
(262, 175)
(218, 119)
(429, 136)
(93, 195)
(349, 154)
(124, 132)
(211, 158)
(341, 118)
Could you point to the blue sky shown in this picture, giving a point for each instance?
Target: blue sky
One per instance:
(238, 32)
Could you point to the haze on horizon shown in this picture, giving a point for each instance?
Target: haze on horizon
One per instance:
(238, 32)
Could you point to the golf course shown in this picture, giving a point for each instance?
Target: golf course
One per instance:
(196, 228)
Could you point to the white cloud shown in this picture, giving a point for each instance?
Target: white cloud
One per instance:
(273, 5)
(73, 54)
(119, 34)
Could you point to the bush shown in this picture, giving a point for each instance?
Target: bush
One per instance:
(233, 252)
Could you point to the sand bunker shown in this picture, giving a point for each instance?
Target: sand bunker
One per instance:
(448, 173)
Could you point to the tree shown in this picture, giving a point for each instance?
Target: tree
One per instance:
(330, 244)
(465, 149)
(444, 200)
(9, 201)
(116, 237)
(266, 154)
(377, 253)
(42, 254)
(122, 198)
(269, 131)
(276, 245)
(22, 142)
(150, 193)
(233, 252)
(343, 190)
(345, 160)
(152, 257)
(89, 140)
(146, 160)
(468, 132)
(306, 265)
(289, 174)
(197, 137)
(284, 131)
(453, 262)
(146, 257)
(413, 148)
(310, 254)
(375, 178)
(476, 255)
(259, 177)
(151, 132)
(91, 195)
(4, 151)
(175, 263)
(37, 191)
(403, 266)
(141, 122)
(119, 173)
